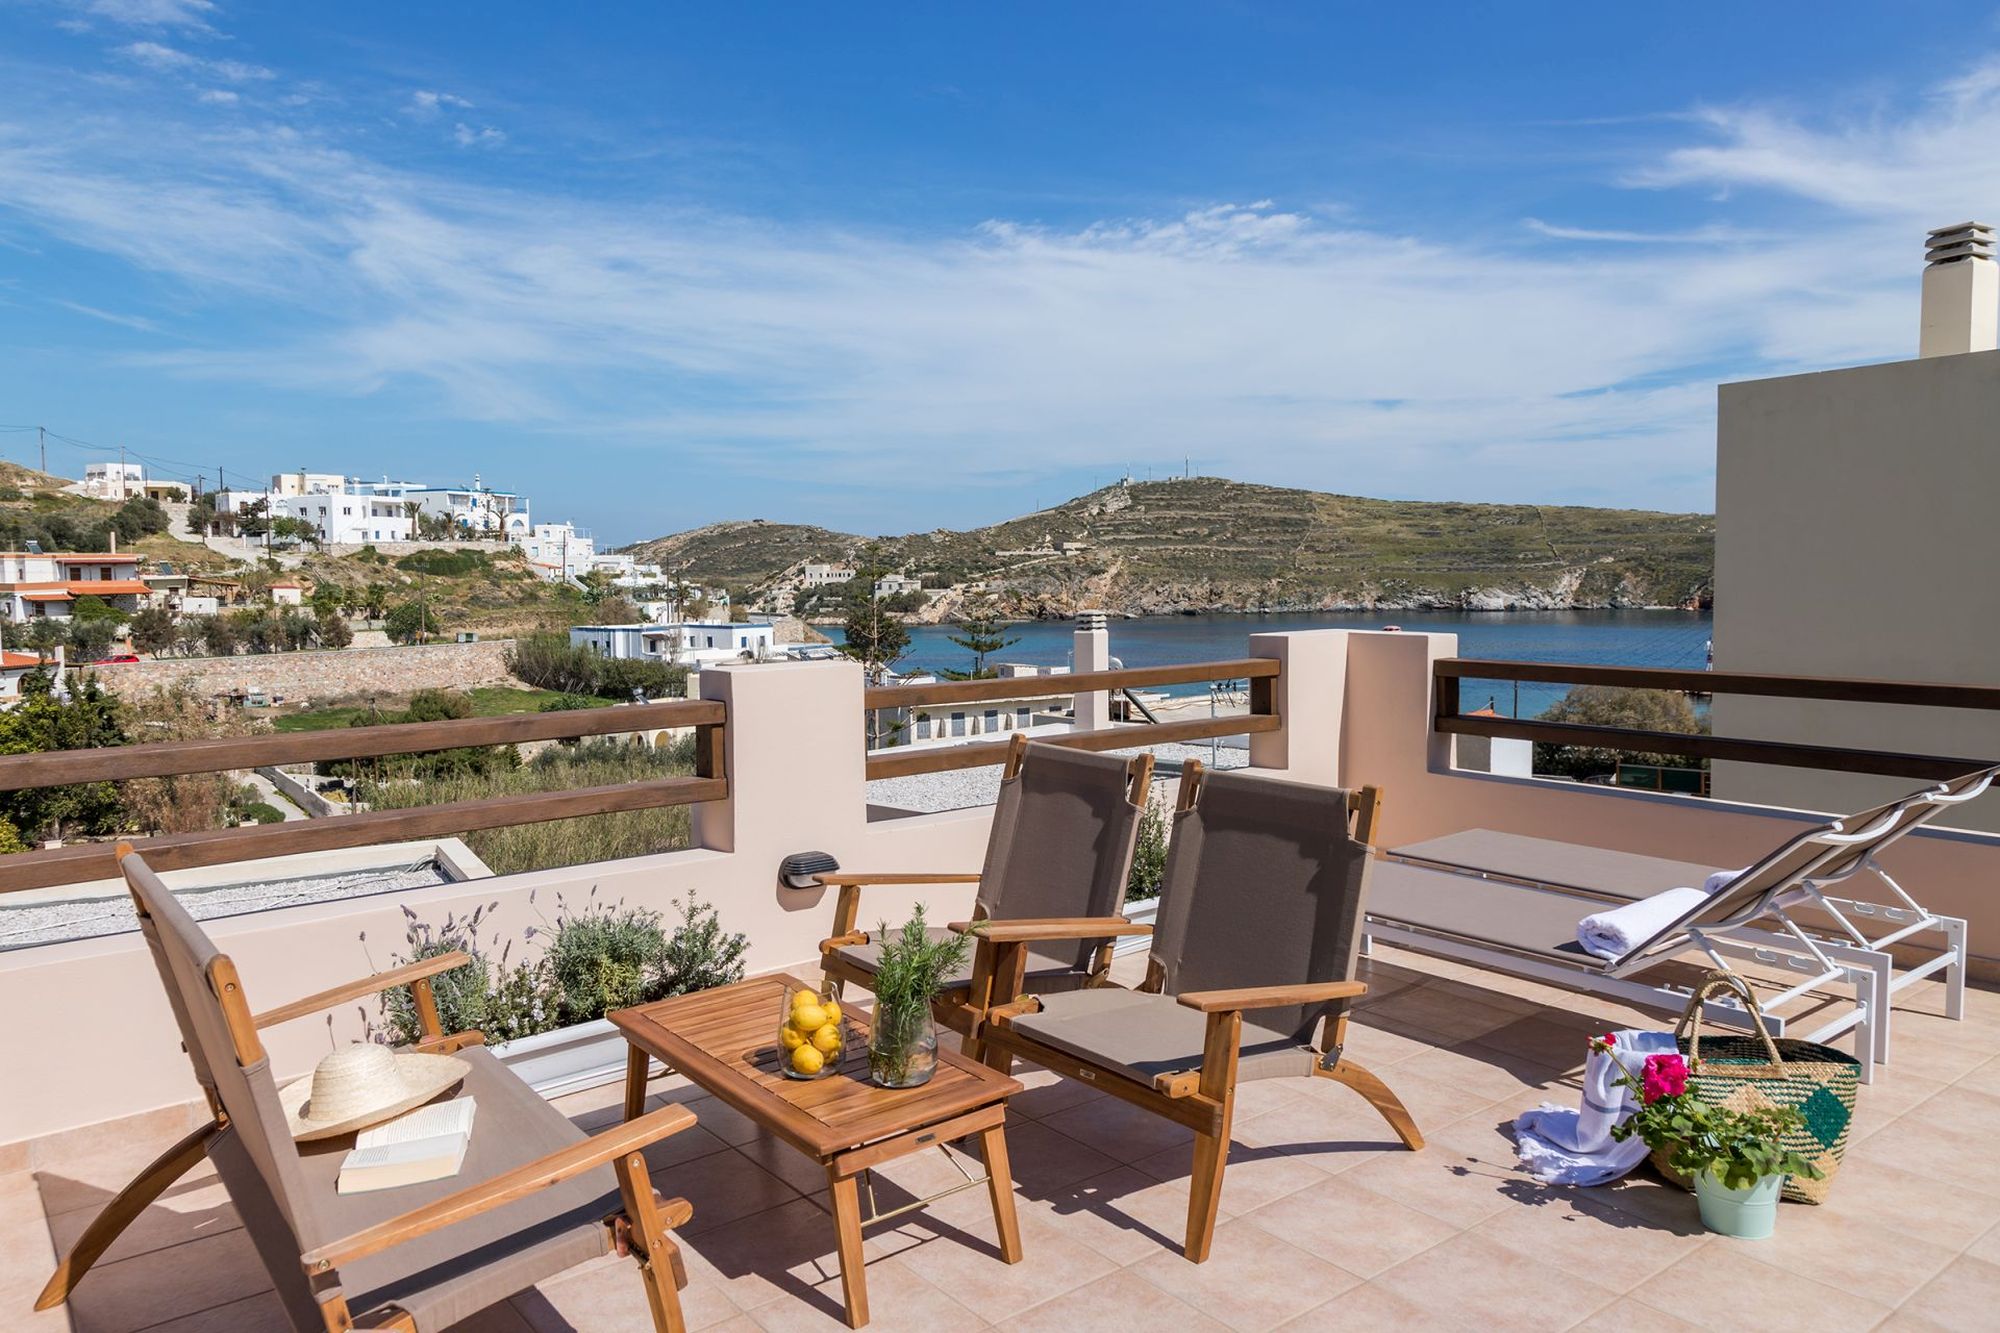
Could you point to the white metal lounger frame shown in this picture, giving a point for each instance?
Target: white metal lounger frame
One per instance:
(1818, 963)
(1905, 916)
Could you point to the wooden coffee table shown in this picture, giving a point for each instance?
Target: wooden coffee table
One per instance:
(725, 1042)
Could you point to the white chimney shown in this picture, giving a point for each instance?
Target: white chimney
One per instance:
(1961, 292)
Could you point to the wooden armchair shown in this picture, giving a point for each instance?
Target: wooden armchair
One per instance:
(1260, 914)
(1064, 830)
(535, 1195)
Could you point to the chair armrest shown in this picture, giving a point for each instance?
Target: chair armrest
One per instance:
(356, 990)
(845, 880)
(540, 1174)
(1024, 930)
(1271, 997)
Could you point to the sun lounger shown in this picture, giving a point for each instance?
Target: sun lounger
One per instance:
(1613, 876)
(1530, 929)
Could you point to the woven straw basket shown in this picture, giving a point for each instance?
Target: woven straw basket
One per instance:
(1747, 1073)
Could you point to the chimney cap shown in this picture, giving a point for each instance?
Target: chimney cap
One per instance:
(1967, 240)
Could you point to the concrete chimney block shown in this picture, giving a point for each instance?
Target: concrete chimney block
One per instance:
(1961, 301)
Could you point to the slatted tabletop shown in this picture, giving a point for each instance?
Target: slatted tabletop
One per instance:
(726, 1042)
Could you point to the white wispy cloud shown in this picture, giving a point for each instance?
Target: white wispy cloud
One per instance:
(1305, 348)
(425, 103)
(483, 137)
(135, 322)
(192, 15)
(170, 59)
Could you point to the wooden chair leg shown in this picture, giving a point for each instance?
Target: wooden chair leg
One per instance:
(658, 1256)
(637, 1063)
(1379, 1096)
(1211, 1150)
(124, 1207)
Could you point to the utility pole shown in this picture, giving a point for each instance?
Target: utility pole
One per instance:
(42, 433)
(121, 473)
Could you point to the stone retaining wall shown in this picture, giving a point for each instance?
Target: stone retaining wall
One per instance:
(323, 675)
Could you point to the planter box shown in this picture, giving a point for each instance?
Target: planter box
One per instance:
(571, 1059)
(1144, 912)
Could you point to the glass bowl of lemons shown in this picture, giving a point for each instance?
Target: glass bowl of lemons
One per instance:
(809, 1036)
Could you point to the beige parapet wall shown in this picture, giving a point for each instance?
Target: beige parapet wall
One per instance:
(89, 1039)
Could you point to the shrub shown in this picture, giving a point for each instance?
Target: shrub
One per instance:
(445, 563)
(699, 955)
(549, 661)
(331, 630)
(603, 958)
(263, 812)
(1149, 856)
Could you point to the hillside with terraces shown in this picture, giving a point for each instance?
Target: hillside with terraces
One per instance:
(1211, 544)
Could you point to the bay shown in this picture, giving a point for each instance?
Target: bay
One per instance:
(1607, 638)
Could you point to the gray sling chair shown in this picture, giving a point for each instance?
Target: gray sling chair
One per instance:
(1064, 829)
(1841, 926)
(1531, 930)
(535, 1196)
(1260, 913)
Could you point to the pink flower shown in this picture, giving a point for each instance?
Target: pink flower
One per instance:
(1663, 1076)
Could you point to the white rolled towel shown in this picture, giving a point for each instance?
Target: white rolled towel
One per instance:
(1615, 933)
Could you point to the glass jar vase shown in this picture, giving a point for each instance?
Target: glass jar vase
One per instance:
(902, 1046)
(810, 1041)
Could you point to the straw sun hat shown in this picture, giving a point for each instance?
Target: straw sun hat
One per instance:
(362, 1085)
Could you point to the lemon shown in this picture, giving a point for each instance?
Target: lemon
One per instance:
(827, 1039)
(832, 1008)
(806, 1060)
(802, 998)
(790, 1037)
(809, 1017)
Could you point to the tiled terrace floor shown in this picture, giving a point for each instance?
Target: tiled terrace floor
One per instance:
(1327, 1222)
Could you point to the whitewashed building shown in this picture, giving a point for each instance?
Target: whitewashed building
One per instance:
(819, 576)
(474, 508)
(114, 481)
(687, 643)
(895, 585)
(557, 551)
(35, 586)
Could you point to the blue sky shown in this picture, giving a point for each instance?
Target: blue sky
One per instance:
(891, 268)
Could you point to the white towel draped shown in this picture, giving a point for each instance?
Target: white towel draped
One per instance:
(1615, 933)
(1560, 1146)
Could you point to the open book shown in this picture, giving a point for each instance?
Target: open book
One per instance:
(427, 1144)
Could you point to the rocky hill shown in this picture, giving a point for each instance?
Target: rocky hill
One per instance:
(1209, 544)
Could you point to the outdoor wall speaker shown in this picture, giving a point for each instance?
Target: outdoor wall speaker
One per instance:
(801, 870)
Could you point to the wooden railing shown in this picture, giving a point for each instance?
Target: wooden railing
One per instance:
(1451, 720)
(96, 860)
(1260, 672)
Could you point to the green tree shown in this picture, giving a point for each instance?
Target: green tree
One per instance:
(375, 600)
(326, 599)
(92, 607)
(46, 635)
(409, 622)
(1616, 706)
(88, 719)
(90, 640)
(982, 633)
(154, 631)
(872, 635)
(220, 636)
(332, 631)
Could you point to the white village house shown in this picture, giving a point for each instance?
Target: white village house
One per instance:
(687, 643)
(35, 585)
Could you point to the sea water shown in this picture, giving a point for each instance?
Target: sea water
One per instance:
(1606, 638)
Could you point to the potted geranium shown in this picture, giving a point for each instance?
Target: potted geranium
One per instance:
(902, 1036)
(1736, 1159)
